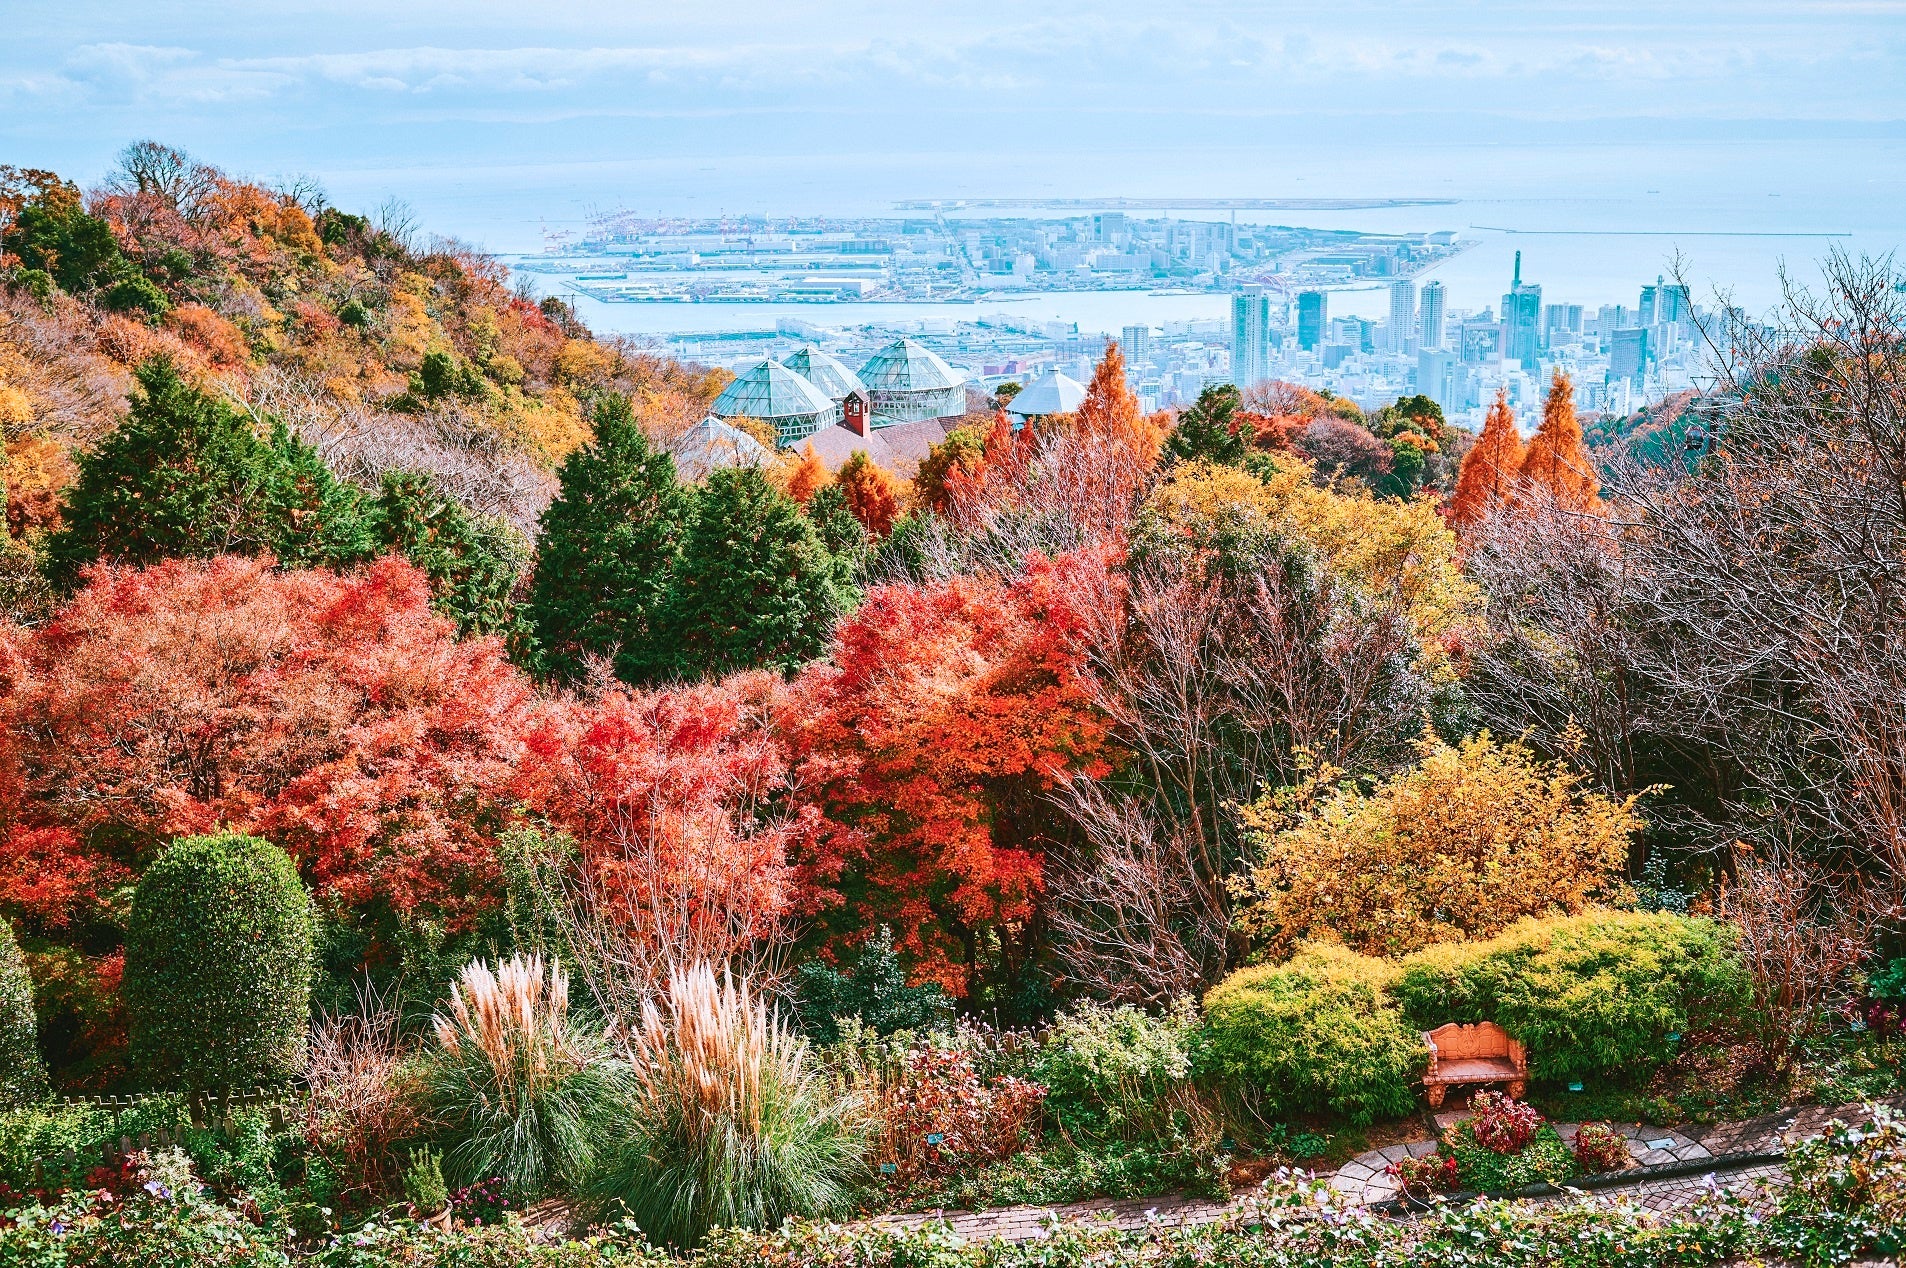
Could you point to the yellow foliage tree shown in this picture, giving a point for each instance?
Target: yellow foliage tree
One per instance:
(1461, 845)
(1383, 547)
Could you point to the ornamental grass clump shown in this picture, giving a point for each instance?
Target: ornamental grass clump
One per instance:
(730, 1124)
(519, 1089)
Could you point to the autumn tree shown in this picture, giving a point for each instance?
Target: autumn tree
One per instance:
(1488, 476)
(1247, 633)
(927, 740)
(1556, 465)
(677, 802)
(808, 477)
(872, 494)
(607, 552)
(336, 715)
(1111, 411)
(1461, 845)
(756, 586)
(957, 457)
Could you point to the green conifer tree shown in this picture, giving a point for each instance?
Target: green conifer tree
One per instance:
(472, 561)
(756, 585)
(185, 476)
(1208, 430)
(606, 557)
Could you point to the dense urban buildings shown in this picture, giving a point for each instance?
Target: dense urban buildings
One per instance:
(1266, 323)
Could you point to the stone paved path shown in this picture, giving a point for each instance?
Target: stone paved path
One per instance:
(1362, 1179)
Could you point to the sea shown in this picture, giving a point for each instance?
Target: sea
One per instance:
(1593, 222)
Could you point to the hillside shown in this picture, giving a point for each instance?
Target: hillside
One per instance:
(382, 348)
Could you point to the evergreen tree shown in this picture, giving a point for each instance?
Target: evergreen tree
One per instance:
(314, 519)
(1209, 430)
(1488, 475)
(834, 520)
(185, 476)
(1557, 462)
(607, 553)
(472, 561)
(756, 585)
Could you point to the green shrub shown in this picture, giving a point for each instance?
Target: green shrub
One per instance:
(1316, 1033)
(1546, 1159)
(524, 1092)
(218, 965)
(135, 293)
(423, 1182)
(1593, 996)
(1113, 1070)
(733, 1125)
(22, 1072)
(875, 991)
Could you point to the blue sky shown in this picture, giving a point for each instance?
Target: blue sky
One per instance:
(785, 105)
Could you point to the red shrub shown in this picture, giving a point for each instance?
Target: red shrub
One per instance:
(1501, 1123)
(939, 1116)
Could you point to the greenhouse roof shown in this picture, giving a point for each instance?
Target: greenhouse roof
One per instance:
(825, 372)
(1050, 393)
(906, 366)
(770, 390)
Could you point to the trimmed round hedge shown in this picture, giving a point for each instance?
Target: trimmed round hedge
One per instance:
(1316, 1033)
(1593, 996)
(22, 1072)
(218, 965)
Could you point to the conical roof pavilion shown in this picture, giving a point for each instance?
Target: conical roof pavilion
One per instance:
(1050, 393)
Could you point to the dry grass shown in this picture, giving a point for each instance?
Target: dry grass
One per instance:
(364, 1098)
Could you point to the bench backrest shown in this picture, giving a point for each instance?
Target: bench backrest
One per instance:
(1456, 1041)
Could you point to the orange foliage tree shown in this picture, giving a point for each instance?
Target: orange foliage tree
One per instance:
(872, 494)
(1110, 410)
(1490, 468)
(337, 716)
(929, 740)
(1557, 464)
(808, 477)
(678, 803)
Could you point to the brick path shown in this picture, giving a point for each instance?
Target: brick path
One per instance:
(1768, 1134)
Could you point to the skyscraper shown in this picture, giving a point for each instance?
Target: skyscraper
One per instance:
(1402, 314)
(1136, 343)
(1628, 356)
(1313, 313)
(1522, 319)
(1250, 336)
(1430, 332)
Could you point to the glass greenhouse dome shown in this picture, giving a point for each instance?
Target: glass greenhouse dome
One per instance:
(908, 383)
(778, 396)
(824, 372)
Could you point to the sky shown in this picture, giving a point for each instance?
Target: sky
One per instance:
(496, 120)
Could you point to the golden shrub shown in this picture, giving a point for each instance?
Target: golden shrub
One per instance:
(1460, 845)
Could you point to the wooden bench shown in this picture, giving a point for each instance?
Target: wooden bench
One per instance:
(1482, 1053)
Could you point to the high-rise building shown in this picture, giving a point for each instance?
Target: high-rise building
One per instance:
(1430, 325)
(1402, 314)
(1628, 356)
(1313, 313)
(1522, 319)
(1250, 336)
(1136, 343)
(1435, 376)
